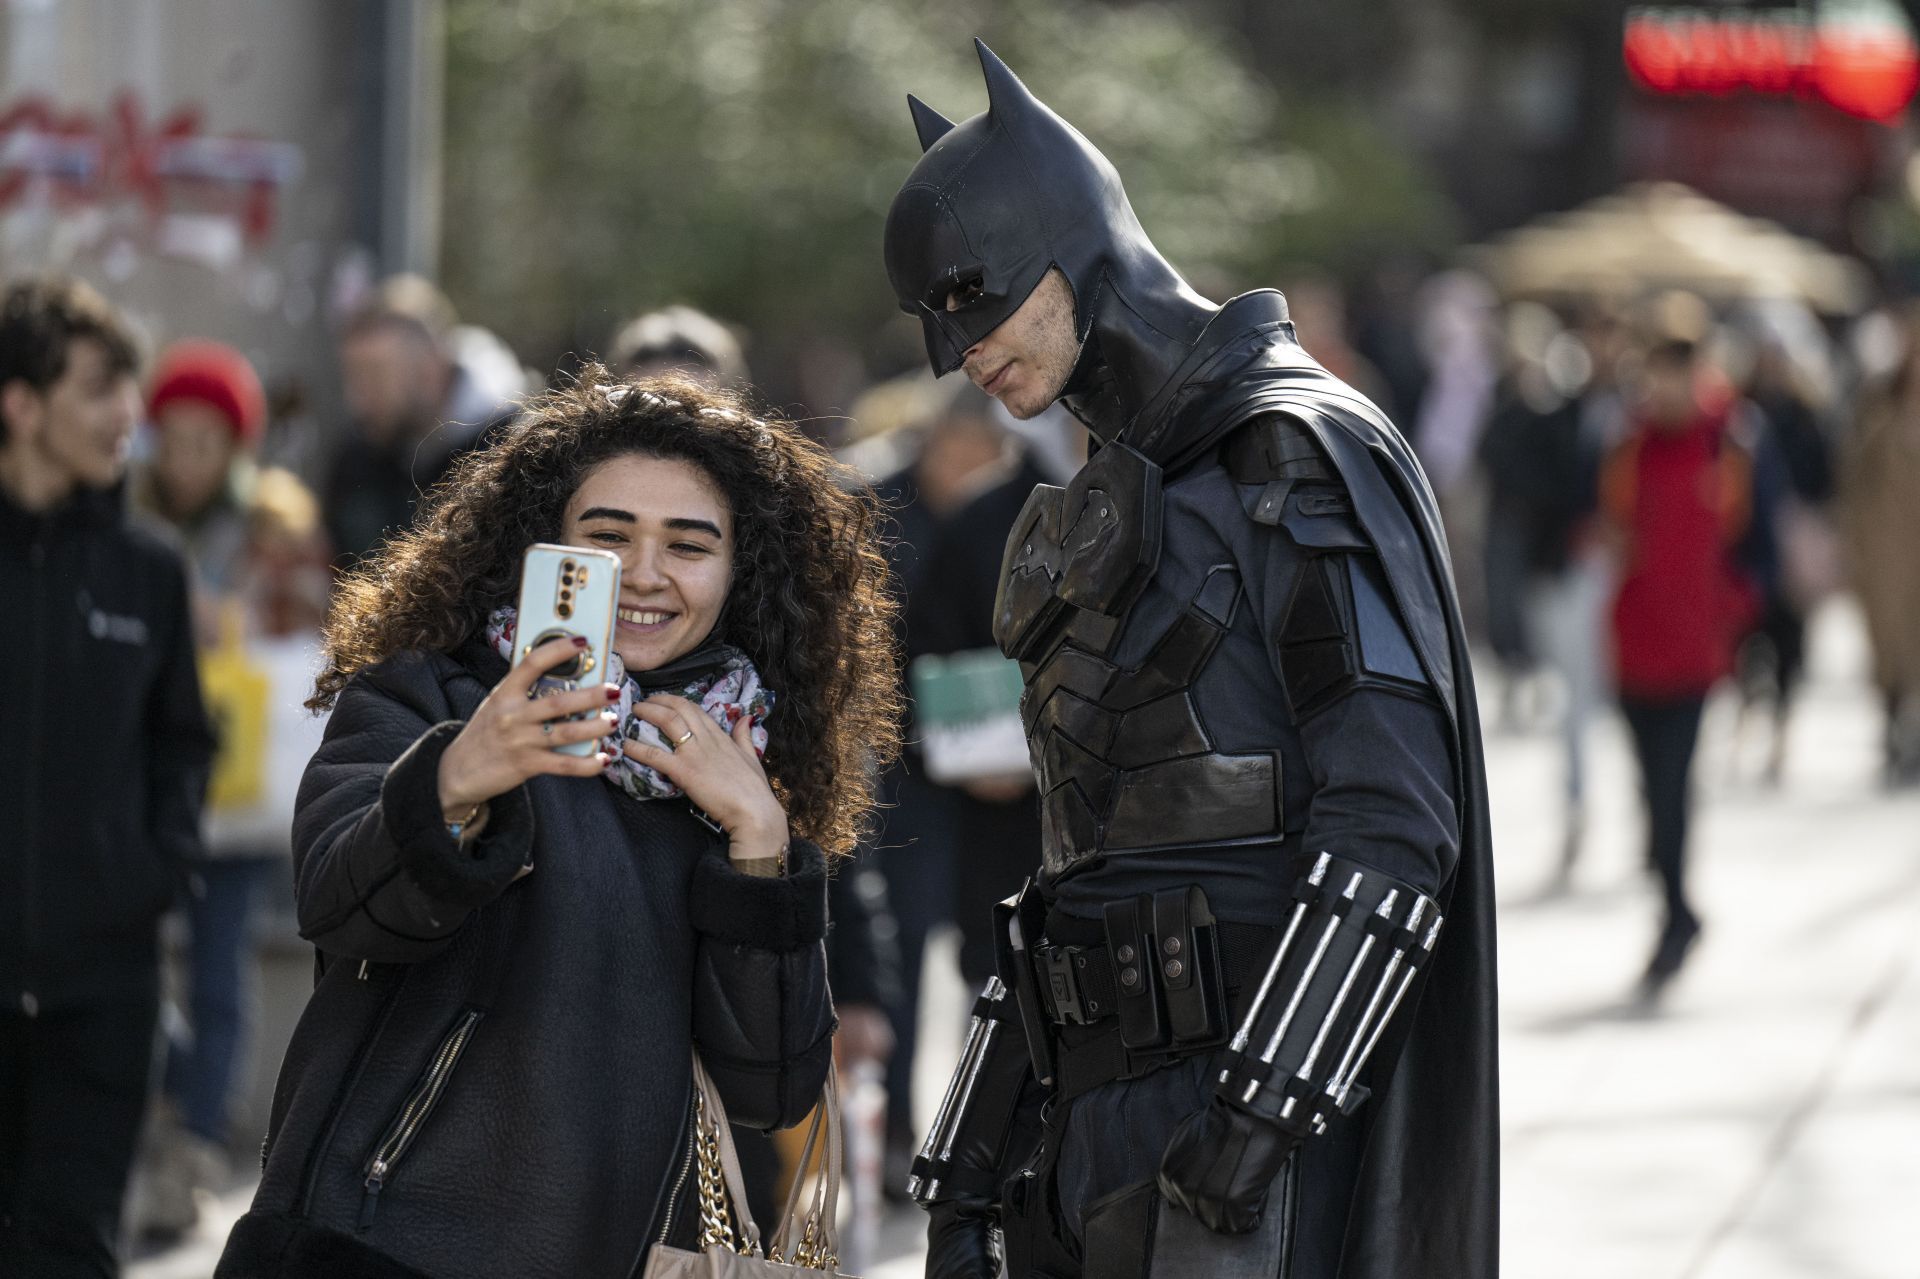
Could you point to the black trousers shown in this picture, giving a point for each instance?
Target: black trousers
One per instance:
(1665, 733)
(73, 1090)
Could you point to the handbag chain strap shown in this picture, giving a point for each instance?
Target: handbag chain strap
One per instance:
(716, 1218)
(811, 1252)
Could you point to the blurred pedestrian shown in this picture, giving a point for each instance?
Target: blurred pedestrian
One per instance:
(678, 339)
(104, 758)
(414, 409)
(1568, 607)
(1522, 454)
(1544, 596)
(518, 948)
(259, 581)
(1880, 511)
(1677, 493)
(1790, 549)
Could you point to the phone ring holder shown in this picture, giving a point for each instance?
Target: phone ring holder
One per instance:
(573, 666)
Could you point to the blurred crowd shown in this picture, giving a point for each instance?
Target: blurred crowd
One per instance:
(1646, 495)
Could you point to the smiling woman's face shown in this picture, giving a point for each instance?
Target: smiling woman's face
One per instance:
(672, 530)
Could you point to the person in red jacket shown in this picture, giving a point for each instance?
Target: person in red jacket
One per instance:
(1676, 492)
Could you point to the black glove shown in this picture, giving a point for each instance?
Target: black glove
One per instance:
(1220, 1163)
(960, 1240)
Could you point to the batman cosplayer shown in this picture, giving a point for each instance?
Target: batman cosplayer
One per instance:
(1245, 1016)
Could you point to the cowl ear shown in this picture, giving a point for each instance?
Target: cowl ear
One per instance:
(1007, 98)
(928, 123)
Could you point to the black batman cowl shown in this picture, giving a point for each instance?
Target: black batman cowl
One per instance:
(999, 198)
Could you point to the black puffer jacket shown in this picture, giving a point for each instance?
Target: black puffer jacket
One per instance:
(492, 1076)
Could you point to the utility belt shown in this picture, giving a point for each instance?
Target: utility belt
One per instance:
(1156, 980)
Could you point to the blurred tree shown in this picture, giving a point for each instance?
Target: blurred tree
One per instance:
(605, 156)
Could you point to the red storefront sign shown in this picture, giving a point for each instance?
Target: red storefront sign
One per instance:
(1867, 66)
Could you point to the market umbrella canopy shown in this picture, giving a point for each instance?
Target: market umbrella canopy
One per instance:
(1665, 235)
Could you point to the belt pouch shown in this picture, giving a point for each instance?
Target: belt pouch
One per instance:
(1143, 1025)
(1189, 962)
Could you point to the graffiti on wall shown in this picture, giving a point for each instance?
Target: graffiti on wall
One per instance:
(189, 193)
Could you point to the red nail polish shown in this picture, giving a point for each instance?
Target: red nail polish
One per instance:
(579, 641)
(613, 694)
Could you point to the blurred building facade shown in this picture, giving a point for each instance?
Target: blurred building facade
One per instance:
(223, 168)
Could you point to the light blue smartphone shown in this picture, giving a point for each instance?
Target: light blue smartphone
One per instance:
(568, 591)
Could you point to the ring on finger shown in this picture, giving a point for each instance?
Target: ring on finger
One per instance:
(684, 738)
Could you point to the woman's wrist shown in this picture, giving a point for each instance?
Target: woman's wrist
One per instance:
(764, 843)
(456, 805)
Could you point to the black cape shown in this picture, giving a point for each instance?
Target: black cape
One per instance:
(1427, 1202)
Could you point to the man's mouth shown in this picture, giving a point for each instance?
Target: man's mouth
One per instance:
(647, 619)
(992, 385)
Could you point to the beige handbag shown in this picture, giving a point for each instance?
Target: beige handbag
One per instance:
(804, 1244)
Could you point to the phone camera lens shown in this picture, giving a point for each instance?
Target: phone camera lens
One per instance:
(565, 610)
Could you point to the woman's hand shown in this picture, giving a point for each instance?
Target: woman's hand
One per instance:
(719, 771)
(512, 734)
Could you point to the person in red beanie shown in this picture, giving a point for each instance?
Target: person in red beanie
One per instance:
(259, 582)
(207, 410)
(1677, 493)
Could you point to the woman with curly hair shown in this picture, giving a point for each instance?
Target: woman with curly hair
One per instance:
(518, 948)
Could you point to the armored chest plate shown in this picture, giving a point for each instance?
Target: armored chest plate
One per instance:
(1091, 547)
(1121, 755)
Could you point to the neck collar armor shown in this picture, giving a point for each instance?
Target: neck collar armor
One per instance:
(999, 198)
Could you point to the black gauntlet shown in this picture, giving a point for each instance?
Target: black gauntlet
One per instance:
(987, 1125)
(1354, 942)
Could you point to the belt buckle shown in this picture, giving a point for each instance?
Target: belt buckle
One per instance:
(1062, 988)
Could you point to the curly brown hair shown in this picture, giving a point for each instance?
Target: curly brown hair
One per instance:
(809, 601)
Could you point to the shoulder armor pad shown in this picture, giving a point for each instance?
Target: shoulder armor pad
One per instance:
(1276, 447)
(1277, 453)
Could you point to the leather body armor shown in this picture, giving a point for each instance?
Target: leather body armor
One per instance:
(1121, 755)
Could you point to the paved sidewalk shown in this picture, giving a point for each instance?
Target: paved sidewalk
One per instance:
(1765, 1122)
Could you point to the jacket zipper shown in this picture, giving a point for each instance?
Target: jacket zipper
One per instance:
(686, 1166)
(413, 1114)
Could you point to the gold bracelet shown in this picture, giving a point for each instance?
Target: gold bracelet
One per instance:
(757, 866)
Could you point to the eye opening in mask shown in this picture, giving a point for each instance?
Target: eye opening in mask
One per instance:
(958, 289)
